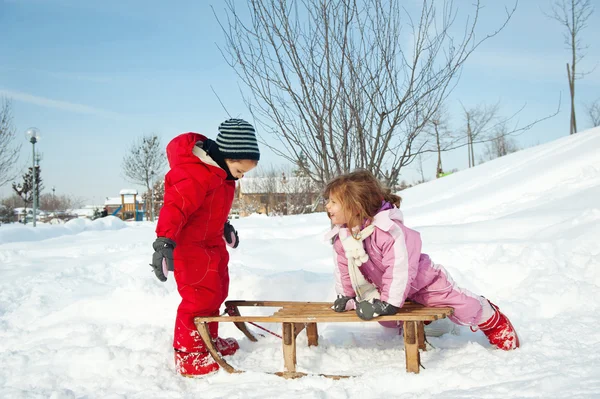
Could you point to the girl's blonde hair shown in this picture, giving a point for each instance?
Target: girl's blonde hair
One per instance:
(360, 194)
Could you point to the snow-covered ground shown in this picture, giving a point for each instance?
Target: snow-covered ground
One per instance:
(82, 315)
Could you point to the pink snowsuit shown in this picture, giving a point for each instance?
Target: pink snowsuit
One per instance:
(400, 271)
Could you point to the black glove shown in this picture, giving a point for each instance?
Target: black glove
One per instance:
(382, 308)
(339, 305)
(367, 310)
(162, 259)
(231, 235)
(364, 310)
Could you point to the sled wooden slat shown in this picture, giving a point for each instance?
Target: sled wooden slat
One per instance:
(350, 317)
(298, 316)
(274, 303)
(291, 312)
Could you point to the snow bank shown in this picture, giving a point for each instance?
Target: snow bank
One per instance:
(18, 232)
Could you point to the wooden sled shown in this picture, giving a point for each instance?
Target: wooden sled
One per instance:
(297, 316)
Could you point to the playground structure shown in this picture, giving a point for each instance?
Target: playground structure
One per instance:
(129, 207)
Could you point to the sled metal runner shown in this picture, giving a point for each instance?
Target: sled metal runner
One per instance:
(298, 316)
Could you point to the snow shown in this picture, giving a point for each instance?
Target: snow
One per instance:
(82, 315)
(18, 233)
(128, 191)
(112, 201)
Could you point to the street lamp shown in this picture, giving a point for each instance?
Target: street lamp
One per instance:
(33, 135)
(152, 194)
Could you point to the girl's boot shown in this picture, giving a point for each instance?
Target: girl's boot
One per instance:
(191, 364)
(499, 330)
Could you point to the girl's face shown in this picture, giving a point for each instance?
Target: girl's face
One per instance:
(239, 168)
(335, 211)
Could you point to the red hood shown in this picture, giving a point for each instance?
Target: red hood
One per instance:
(179, 150)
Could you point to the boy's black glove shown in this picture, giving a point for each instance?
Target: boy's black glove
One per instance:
(162, 259)
(367, 310)
(231, 235)
(339, 305)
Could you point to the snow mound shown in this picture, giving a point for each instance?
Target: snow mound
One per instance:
(18, 232)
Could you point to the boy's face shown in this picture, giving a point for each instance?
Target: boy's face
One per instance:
(239, 168)
(335, 211)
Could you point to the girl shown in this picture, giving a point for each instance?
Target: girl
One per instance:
(199, 191)
(379, 263)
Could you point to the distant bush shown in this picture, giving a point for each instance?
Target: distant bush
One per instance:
(7, 214)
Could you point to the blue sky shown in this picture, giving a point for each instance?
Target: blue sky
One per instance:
(93, 76)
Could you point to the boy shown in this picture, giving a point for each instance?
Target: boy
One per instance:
(199, 191)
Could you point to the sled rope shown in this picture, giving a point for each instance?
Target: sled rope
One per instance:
(264, 329)
(231, 312)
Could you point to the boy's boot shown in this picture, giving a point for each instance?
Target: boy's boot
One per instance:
(191, 364)
(226, 346)
(499, 330)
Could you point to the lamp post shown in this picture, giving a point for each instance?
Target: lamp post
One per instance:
(54, 200)
(33, 135)
(152, 195)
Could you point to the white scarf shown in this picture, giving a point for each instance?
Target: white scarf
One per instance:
(356, 255)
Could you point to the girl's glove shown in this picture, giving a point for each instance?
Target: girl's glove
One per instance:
(343, 303)
(383, 308)
(162, 259)
(367, 310)
(231, 235)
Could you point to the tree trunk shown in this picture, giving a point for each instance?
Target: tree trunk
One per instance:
(470, 145)
(439, 169)
(572, 74)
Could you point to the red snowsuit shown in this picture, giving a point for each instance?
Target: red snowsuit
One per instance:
(197, 201)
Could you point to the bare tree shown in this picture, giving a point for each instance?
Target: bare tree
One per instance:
(301, 194)
(155, 197)
(594, 113)
(419, 169)
(145, 160)
(335, 81)
(9, 153)
(13, 201)
(440, 138)
(479, 121)
(500, 145)
(59, 203)
(573, 15)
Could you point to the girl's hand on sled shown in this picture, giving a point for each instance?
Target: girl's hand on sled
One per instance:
(344, 303)
(383, 308)
(367, 310)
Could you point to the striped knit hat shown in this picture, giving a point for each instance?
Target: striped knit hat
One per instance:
(237, 140)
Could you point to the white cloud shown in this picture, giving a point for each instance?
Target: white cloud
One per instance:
(549, 66)
(58, 104)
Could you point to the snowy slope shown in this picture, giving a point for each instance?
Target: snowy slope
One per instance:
(81, 315)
